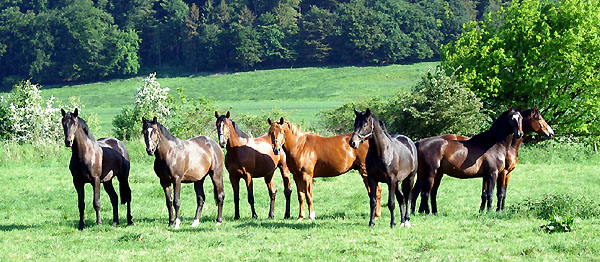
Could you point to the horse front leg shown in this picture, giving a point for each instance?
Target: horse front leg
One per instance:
(250, 188)
(407, 187)
(500, 189)
(177, 200)
(80, 202)
(434, 190)
(301, 188)
(235, 184)
(287, 189)
(309, 197)
(372, 200)
(378, 206)
(199, 188)
(491, 184)
(169, 201)
(272, 193)
(114, 200)
(392, 189)
(96, 185)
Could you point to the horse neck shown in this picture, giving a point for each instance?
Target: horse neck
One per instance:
(292, 140)
(165, 145)
(81, 142)
(234, 138)
(378, 139)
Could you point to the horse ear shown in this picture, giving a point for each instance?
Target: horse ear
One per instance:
(368, 112)
(62, 111)
(227, 115)
(281, 121)
(355, 112)
(154, 121)
(269, 121)
(76, 112)
(216, 114)
(144, 119)
(510, 108)
(519, 108)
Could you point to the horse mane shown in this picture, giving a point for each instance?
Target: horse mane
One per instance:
(86, 129)
(497, 130)
(381, 124)
(526, 113)
(238, 130)
(166, 132)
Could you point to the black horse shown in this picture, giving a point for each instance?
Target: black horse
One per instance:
(96, 162)
(390, 159)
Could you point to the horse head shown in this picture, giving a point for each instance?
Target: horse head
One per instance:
(363, 128)
(534, 122)
(277, 134)
(150, 130)
(223, 130)
(70, 123)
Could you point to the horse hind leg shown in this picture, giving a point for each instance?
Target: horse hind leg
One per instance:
(426, 187)
(125, 191)
(235, 184)
(372, 200)
(219, 192)
(199, 188)
(434, 190)
(378, 190)
(110, 190)
(309, 198)
(287, 191)
(393, 189)
(406, 195)
(250, 187)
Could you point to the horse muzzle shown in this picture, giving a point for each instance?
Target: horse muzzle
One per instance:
(149, 151)
(68, 143)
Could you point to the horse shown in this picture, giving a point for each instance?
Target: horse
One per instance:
(532, 122)
(390, 159)
(187, 161)
(96, 162)
(309, 155)
(249, 158)
(484, 155)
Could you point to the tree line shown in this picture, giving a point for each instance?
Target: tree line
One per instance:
(82, 40)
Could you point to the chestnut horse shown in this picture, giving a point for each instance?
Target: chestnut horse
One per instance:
(96, 162)
(249, 158)
(390, 159)
(187, 161)
(532, 122)
(484, 155)
(309, 155)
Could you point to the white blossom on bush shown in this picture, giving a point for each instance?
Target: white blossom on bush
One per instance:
(152, 99)
(32, 118)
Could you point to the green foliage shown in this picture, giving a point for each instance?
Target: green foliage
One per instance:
(438, 105)
(554, 204)
(559, 224)
(316, 30)
(150, 101)
(193, 117)
(543, 53)
(256, 125)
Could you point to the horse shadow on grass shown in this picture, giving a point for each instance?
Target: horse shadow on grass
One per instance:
(14, 227)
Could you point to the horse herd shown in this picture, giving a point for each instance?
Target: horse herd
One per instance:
(378, 156)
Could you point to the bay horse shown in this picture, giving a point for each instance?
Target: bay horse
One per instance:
(249, 158)
(96, 162)
(309, 155)
(532, 122)
(184, 161)
(390, 159)
(484, 155)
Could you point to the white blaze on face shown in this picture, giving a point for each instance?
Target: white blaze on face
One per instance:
(516, 118)
(550, 131)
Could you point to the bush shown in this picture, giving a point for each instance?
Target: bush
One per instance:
(150, 100)
(256, 125)
(27, 117)
(559, 224)
(438, 105)
(193, 118)
(561, 205)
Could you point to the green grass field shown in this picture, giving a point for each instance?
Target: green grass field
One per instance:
(301, 92)
(39, 215)
(39, 219)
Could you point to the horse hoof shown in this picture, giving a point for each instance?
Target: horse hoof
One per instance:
(392, 225)
(196, 223)
(130, 223)
(407, 224)
(177, 223)
(255, 217)
(80, 227)
(219, 223)
(236, 217)
(312, 216)
(115, 224)
(371, 224)
(299, 220)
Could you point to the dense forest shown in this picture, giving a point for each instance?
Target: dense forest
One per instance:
(81, 40)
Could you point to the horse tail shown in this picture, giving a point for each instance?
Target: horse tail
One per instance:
(124, 189)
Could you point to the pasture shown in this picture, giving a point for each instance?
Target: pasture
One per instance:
(38, 207)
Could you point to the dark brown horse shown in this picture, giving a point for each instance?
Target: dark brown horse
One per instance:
(390, 159)
(184, 161)
(96, 162)
(249, 158)
(532, 122)
(309, 155)
(484, 155)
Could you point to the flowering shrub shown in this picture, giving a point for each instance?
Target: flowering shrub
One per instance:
(27, 117)
(150, 100)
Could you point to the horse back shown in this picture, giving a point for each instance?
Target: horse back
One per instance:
(332, 155)
(203, 152)
(409, 152)
(255, 157)
(115, 144)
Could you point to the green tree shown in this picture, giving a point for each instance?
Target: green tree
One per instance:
(358, 32)
(245, 49)
(316, 29)
(544, 53)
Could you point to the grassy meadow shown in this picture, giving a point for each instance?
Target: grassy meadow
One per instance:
(39, 215)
